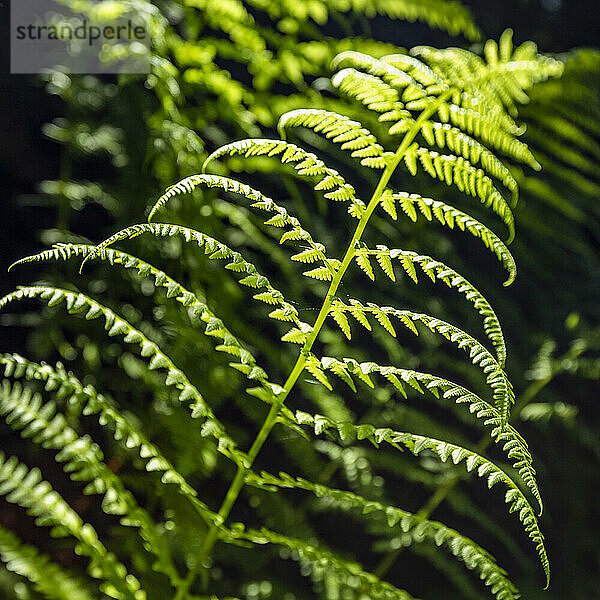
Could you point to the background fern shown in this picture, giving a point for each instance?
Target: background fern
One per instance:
(515, 302)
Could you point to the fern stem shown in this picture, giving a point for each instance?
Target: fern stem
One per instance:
(238, 482)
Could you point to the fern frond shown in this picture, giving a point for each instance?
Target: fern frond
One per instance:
(435, 269)
(503, 434)
(379, 86)
(351, 135)
(501, 80)
(479, 355)
(467, 551)
(214, 326)
(84, 461)
(449, 216)
(215, 250)
(453, 170)
(319, 560)
(66, 387)
(48, 578)
(443, 450)
(77, 302)
(26, 488)
(281, 218)
(306, 164)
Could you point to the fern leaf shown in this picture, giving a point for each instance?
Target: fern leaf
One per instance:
(457, 171)
(352, 136)
(479, 355)
(305, 164)
(440, 14)
(449, 216)
(281, 217)
(215, 250)
(437, 270)
(505, 435)
(444, 450)
(27, 489)
(214, 326)
(77, 302)
(378, 89)
(371, 91)
(443, 135)
(464, 549)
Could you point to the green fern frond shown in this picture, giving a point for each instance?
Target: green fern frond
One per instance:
(214, 326)
(435, 269)
(306, 164)
(379, 86)
(77, 302)
(66, 387)
(84, 461)
(449, 216)
(443, 450)
(216, 251)
(502, 79)
(48, 578)
(281, 218)
(478, 354)
(26, 488)
(503, 434)
(351, 135)
(455, 170)
(467, 551)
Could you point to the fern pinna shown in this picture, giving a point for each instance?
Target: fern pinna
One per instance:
(450, 115)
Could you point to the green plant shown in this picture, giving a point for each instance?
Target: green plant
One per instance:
(433, 99)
